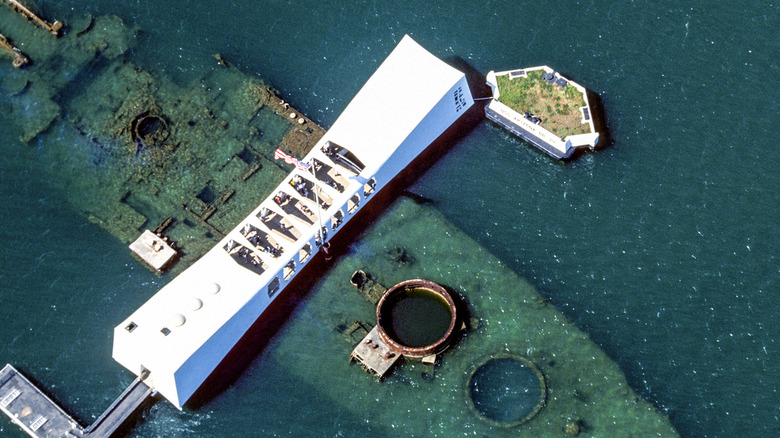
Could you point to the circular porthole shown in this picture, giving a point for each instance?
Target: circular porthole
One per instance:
(194, 304)
(177, 320)
(213, 288)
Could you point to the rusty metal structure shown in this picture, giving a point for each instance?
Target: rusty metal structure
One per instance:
(384, 325)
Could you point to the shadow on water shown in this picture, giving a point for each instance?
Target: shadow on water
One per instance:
(475, 78)
(599, 123)
(287, 388)
(274, 317)
(599, 120)
(262, 331)
(418, 199)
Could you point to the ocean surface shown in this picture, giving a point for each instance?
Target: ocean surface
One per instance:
(662, 247)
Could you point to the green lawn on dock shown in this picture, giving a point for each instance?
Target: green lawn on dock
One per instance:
(557, 107)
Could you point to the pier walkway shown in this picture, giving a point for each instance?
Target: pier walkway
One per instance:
(40, 416)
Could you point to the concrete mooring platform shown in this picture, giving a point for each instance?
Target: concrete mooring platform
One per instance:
(374, 354)
(155, 251)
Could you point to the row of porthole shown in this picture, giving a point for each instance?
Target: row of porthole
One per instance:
(194, 304)
(368, 189)
(273, 286)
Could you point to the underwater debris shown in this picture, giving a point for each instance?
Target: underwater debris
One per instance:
(506, 390)
(137, 147)
(573, 427)
(371, 290)
(399, 255)
(149, 129)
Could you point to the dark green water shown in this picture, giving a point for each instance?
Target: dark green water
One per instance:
(663, 248)
(418, 318)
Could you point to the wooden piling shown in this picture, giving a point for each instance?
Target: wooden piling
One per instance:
(54, 28)
(20, 59)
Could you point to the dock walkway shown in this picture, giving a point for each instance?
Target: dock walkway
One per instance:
(40, 416)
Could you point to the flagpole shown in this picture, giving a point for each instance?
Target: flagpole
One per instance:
(289, 159)
(317, 198)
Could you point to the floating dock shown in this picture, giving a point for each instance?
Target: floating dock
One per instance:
(544, 108)
(41, 417)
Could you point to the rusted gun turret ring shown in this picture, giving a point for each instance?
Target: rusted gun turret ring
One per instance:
(390, 321)
(151, 129)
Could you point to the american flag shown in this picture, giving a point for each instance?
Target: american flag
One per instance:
(289, 159)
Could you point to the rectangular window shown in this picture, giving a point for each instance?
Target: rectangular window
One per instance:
(38, 423)
(273, 286)
(305, 252)
(9, 397)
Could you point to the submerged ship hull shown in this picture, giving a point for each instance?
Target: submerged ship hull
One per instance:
(273, 317)
(208, 314)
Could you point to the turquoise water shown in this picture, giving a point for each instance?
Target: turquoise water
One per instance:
(662, 247)
(505, 390)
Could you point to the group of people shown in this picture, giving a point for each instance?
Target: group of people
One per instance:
(281, 197)
(334, 184)
(254, 238)
(300, 186)
(328, 151)
(275, 251)
(255, 259)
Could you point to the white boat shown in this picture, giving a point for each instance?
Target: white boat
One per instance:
(179, 337)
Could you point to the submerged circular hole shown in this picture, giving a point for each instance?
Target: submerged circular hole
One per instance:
(149, 125)
(418, 317)
(151, 128)
(507, 390)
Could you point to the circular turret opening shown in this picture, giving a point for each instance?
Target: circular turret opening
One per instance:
(507, 390)
(151, 129)
(416, 318)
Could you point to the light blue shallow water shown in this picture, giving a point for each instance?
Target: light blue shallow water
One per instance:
(663, 247)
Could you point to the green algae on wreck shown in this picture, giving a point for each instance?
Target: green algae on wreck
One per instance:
(137, 148)
(134, 150)
(586, 390)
